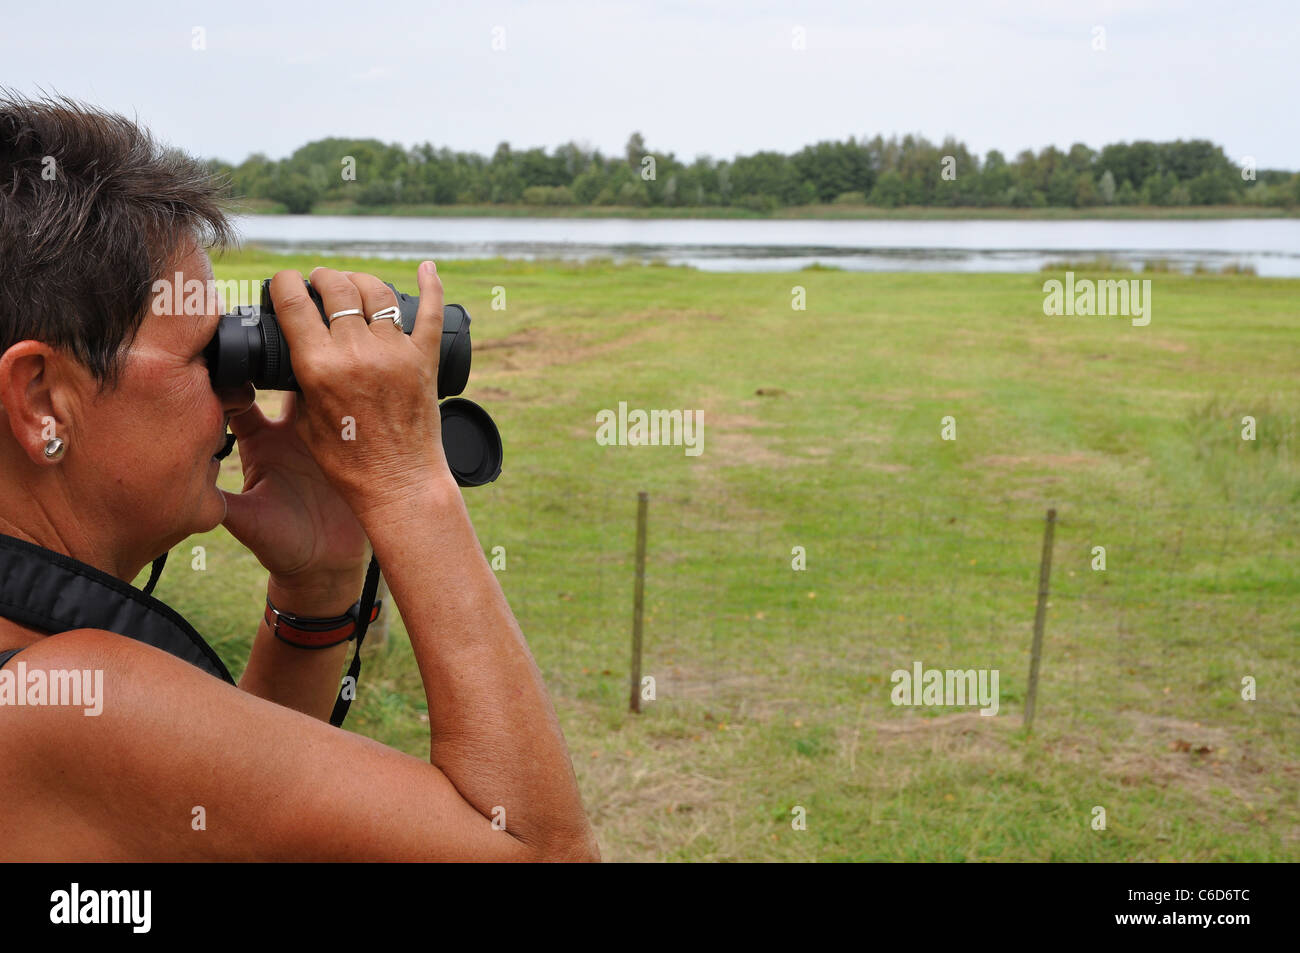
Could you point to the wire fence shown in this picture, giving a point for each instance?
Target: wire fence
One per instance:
(1160, 609)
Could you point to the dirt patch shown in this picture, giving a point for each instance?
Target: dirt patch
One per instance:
(1194, 758)
(1058, 461)
(625, 784)
(734, 695)
(703, 685)
(528, 337)
(730, 440)
(909, 724)
(905, 398)
(893, 399)
(967, 735)
(746, 449)
(537, 347)
(731, 421)
(1040, 491)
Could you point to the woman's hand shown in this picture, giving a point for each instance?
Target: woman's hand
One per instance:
(289, 515)
(369, 408)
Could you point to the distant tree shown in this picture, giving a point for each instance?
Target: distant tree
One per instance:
(1085, 192)
(996, 178)
(1211, 188)
(376, 193)
(505, 182)
(633, 193)
(635, 150)
(253, 177)
(833, 168)
(767, 173)
(295, 190)
(724, 182)
(1156, 188)
(670, 190)
(889, 191)
(1063, 186)
(589, 184)
(1018, 196)
(1107, 187)
(1080, 158)
(537, 168)
(575, 159)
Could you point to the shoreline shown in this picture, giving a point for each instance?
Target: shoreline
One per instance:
(798, 213)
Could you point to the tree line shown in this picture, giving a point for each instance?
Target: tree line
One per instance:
(887, 173)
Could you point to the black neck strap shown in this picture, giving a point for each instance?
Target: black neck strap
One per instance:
(154, 572)
(349, 689)
(55, 593)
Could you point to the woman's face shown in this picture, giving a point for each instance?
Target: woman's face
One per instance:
(151, 441)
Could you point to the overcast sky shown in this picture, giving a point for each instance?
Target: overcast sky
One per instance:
(693, 78)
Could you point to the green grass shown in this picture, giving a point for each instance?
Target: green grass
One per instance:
(773, 685)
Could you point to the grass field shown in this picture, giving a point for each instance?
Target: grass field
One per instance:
(773, 684)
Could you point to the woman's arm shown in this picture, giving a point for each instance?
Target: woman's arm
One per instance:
(182, 766)
(493, 731)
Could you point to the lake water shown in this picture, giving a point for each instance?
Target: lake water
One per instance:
(1271, 246)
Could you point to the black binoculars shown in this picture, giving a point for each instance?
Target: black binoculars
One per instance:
(249, 347)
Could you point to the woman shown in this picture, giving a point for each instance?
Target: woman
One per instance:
(108, 437)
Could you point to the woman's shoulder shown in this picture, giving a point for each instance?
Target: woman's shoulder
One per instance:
(76, 650)
(91, 682)
(109, 744)
(76, 690)
(75, 712)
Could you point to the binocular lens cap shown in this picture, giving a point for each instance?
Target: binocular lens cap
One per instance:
(470, 441)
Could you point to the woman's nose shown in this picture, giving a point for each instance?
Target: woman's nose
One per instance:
(236, 400)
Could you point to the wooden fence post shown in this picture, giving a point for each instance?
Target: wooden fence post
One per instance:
(638, 602)
(1040, 618)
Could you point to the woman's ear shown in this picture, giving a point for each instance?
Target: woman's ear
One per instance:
(33, 390)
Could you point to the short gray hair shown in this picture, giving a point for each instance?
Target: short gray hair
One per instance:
(92, 212)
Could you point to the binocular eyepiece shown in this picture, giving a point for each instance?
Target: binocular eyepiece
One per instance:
(249, 347)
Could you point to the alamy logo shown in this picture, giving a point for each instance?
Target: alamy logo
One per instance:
(103, 906)
(76, 688)
(654, 428)
(950, 688)
(1128, 298)
(196, 296)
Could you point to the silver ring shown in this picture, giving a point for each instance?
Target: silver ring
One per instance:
(344, 314)
(391, 313)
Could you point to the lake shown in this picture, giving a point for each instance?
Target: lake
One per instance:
(1271, 246)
